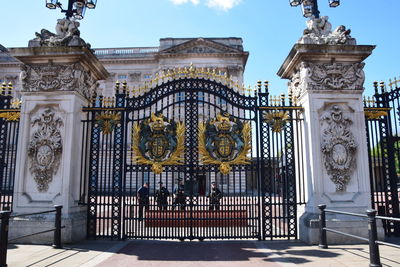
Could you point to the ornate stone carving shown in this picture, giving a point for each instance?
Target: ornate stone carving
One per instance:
(67, 34)
(296, 84)
(200, 50)
(201, 46)
(336, 76)
(45, 148)
(52, 77)
(318, 31)
(327, 76)
(338, 146)
(135, 76)
(300, 80)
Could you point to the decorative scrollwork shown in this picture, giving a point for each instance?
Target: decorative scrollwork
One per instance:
(158, 142)
(10, 116)
(338, 146)
(225, 142)
(108, 121)
(374, 114)
(276, 119)
(45, 148)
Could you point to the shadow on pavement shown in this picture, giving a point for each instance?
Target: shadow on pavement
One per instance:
(213, 251)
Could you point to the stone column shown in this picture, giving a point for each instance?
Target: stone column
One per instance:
(57, 82)
(326, 76)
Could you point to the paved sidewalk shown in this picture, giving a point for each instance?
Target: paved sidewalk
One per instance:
(103, 253)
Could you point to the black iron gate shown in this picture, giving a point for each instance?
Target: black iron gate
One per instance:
(198, 127)
(9, 124)
(382, 115)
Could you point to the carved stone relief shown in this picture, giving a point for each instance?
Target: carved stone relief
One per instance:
(135, 77)
(45, 147)
(338, 146)
(327, 76)
(299, 81)
(200, 50)
(55, 77)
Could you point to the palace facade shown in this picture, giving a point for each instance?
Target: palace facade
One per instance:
(138, 65)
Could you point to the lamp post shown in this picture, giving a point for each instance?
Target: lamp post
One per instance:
(76, 8)
(310, 7)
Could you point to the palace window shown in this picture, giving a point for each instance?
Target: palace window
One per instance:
(200, 96)
(180, 97)
(221, 101)
(122, 77)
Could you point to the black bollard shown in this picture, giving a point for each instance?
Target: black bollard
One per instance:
(5, 218)
(374, 258)
(322, 224)
(57, 231)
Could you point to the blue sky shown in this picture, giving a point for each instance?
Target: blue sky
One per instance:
(269, 28)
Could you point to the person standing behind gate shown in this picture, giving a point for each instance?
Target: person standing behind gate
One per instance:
(162, 197)
(215, 197)
(179, 196)
(143, 199)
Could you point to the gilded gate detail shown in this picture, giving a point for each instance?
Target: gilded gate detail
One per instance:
(184, 133)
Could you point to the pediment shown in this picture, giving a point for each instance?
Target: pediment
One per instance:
(200, 46)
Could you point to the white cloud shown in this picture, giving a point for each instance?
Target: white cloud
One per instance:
(218, 4)
(223, 4)
(180, 2)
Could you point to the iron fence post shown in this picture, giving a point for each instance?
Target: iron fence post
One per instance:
(322, 224)
(5, 218)
(374, 258)
(57, 231)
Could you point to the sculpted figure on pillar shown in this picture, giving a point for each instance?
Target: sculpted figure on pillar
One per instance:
(67, 34)
(319, 31)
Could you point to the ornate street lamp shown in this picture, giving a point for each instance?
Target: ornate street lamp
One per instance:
(76, 8)
(310, 7)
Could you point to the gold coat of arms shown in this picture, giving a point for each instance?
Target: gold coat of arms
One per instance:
(158, 141)
(225, 141)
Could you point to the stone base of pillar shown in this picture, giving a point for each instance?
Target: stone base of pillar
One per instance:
(74, 231)
(309, 228)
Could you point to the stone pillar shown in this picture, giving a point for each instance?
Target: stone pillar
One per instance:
(57, 82)
(327, 80)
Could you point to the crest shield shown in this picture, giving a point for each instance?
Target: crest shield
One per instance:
(158, 141)
(224, 141)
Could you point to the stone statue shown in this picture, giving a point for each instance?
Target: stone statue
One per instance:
(320, 26)
(67, 34)
(66, 27)
(319, 31)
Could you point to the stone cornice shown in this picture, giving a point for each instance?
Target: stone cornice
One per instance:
(117, 60)
(323, 53)
(61, 55)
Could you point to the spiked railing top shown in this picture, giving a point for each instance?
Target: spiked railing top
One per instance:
(184, 73)
(394, 83)
(6, 88)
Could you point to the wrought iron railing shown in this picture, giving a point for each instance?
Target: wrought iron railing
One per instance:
(374, 255)
(9, 125)
(4, 229)
(383, 130)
